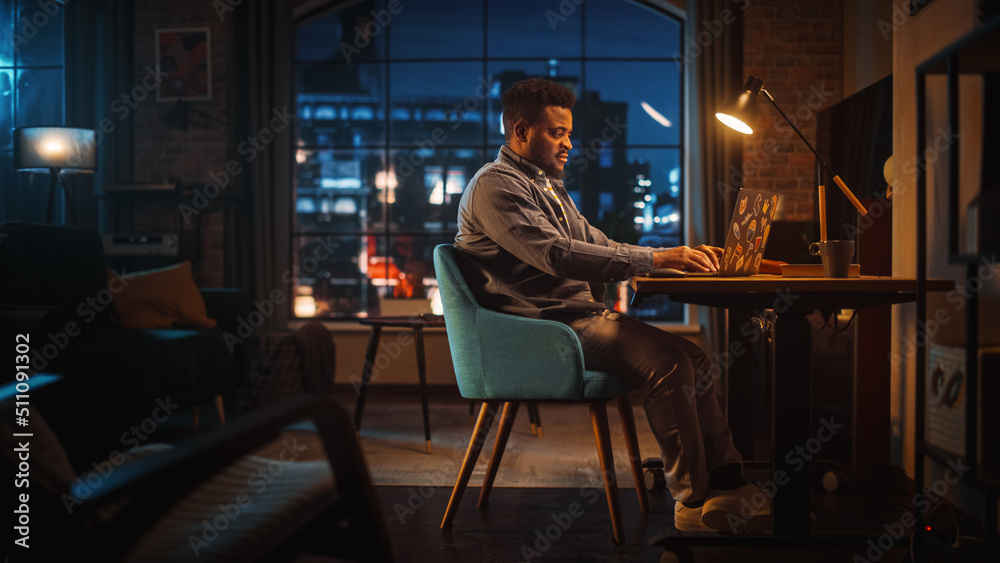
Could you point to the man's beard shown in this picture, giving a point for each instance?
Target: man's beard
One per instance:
(553, 170)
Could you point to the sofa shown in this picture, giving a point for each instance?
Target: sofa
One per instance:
(145, 344)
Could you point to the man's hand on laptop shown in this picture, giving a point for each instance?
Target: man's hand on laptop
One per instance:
(701, 258)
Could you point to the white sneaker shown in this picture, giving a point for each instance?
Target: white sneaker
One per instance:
(688, 519)
(746, 510)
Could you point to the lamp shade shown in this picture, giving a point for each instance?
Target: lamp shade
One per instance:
(740, 111)
(68, 149)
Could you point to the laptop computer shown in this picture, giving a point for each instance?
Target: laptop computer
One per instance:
(746, 237)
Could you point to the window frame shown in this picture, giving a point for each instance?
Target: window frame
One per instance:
(22, 195)
(389, 147)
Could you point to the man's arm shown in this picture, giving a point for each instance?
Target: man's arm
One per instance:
(701, 258)
(505, 211)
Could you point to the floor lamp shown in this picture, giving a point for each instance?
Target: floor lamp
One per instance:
(55, 151)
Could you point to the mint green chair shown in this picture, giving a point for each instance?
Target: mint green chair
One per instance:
(504, 359)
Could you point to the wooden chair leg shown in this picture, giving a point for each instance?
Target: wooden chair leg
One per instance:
(599, 417)
(486, 415)
(632, 443)
(503, 433)
(536, 420)
(220, 407)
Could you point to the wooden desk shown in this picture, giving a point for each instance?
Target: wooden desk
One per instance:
(792, 300)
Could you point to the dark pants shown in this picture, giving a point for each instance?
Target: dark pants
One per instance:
(680, 401)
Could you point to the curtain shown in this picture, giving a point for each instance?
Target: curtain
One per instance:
(99, 52)
(264, 103)
(713, 56)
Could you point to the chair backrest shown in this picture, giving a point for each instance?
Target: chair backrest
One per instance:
(52, 265)
(502, 356)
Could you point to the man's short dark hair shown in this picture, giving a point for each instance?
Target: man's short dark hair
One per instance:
(526, 101)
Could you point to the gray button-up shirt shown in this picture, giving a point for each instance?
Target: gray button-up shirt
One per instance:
(529, 255)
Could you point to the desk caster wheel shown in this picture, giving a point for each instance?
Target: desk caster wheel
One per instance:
(653, 474)
(677, 555)
(654, 479)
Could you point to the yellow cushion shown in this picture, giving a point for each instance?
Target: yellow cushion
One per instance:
(162, 298)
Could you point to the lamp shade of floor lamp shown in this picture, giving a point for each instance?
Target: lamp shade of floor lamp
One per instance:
(55, 151)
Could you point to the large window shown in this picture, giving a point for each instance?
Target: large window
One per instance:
(31, 94)
(399, 106)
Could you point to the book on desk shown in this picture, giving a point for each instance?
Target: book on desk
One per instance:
(814, 271)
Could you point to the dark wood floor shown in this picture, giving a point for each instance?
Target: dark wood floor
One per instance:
(536, 525)
(533, 525)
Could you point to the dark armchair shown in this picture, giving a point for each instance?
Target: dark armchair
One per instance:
(208, 498)
(56, 288)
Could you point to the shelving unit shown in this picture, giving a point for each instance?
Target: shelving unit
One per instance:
(157, 211)
(974, 54)
(117, 216)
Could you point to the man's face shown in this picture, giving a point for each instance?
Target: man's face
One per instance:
(548, 140)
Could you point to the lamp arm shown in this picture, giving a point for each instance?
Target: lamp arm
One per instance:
(836, 178)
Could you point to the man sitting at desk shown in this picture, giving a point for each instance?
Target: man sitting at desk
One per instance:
(535, 255)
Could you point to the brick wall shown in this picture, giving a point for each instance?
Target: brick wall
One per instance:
(796, 48)
(165, 153)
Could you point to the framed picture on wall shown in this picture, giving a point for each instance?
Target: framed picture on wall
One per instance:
(183, 59)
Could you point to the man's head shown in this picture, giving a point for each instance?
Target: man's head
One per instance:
(538, 120)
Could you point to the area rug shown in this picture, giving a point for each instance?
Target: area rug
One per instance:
(392, 440)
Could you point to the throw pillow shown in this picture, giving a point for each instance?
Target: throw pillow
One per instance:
(162, 298)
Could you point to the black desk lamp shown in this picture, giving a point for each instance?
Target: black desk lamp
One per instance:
(56, 151)
(740, 113)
